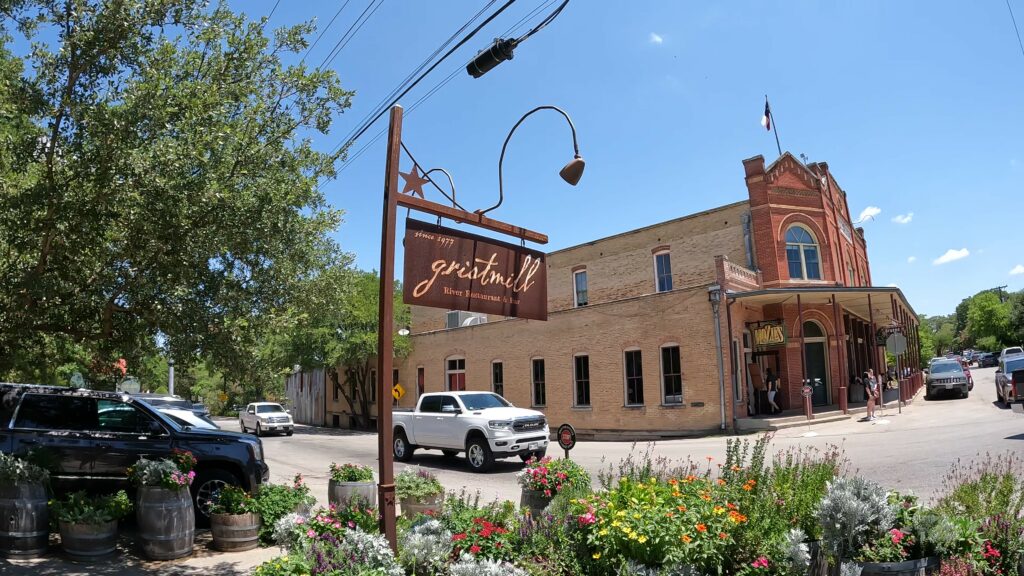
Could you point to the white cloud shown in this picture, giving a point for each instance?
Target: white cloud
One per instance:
(911, 259)
(903, 218)
(868, 213)
(1018, 269)
(656, 38)
(952, 255)
(892, 285)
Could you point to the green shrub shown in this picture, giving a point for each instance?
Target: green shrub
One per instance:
(81, 508)
(14, 470)
(233, 500)
(351, 473)
(274, 501)
(417, 484)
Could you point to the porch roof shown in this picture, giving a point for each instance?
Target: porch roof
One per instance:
(852, 299)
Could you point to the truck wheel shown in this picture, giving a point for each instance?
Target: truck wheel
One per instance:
(401, 447)
(478, 455)
(259, 430)
(205, 490)
(449, 453)
(242, 426)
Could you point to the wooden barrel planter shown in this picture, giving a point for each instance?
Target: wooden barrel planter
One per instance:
(167, 522)
(341, 493)
(88, 541)
(235, 532)
(916, 567)
(535, 500)
(412, 508)
(819, 560)
(24, 521)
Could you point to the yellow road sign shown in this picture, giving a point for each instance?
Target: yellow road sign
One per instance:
(397, 391)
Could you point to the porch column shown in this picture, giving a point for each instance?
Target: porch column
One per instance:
(872, 346)
(803, 359)
(840, 354)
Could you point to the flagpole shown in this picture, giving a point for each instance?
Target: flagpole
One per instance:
(775, 127)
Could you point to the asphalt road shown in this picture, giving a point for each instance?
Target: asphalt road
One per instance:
(911, 451)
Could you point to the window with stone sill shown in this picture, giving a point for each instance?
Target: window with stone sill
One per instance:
(634, 378)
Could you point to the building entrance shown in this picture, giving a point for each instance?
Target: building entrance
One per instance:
(816, 355)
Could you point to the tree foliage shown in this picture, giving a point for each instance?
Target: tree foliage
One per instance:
(337, 325)
(988, 320)
(157, 183)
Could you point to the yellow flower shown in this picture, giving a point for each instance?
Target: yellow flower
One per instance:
(632, 536)
(718, 510)
(636, 516)
(596, 555)
(616, 523)
(620, 513)
(642, 539)
(602, 532)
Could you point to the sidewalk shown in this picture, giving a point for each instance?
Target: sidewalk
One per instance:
(128, 562)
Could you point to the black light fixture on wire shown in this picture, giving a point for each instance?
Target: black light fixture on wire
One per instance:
(501, 49)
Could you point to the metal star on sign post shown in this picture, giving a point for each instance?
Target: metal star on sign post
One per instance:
(413, 182)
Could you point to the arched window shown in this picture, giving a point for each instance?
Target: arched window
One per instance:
(813, 330)
(802, 254)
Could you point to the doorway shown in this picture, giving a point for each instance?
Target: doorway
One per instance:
(816, 355)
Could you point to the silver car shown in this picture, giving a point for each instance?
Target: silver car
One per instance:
(946, 376)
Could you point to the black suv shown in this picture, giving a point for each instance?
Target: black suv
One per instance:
(92, 437)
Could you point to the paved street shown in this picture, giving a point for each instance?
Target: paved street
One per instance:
(909, 451)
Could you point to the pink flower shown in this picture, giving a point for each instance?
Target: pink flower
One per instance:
(311, 533)
(761, 562)
(300, 520)
(897, 536)
(587, 518)
(351, 524)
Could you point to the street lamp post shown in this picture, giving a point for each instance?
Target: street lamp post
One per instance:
(170, 376)
(715, 297)
(571, 173)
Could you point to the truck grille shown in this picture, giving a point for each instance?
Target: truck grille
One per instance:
(532, 439)
(529, 424)
(277, 419)
(948, 381)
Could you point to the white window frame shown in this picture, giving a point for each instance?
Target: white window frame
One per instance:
(661, 371)
(803, 257)
(502, 393)
(575, 382)
(533, 383)
(448, 371)
(575, 292)
(671, 281)
(625, 379)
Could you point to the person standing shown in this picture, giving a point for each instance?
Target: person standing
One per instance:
(871, 389)
(773, 389)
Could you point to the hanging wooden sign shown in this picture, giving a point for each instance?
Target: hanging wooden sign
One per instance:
(454, 270)
(768, 333)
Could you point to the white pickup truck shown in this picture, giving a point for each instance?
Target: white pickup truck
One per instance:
(482, 424)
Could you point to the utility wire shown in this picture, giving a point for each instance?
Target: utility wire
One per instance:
(274, 9)
(441, 84)
(358, 23)
(1015, 29)
(416, 71)
(324, 31)
(424, 75)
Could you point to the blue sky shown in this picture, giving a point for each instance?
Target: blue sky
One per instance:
(918, 107)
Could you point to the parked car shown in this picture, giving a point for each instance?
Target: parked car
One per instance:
(946, 376)
(482, 424)
(988, 360)
(92, 438)
(159, 401)
(262, 417)
(1010, 351)
(1010, 379)
(188, 418)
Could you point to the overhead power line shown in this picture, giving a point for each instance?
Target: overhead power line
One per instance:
(324, 31)
(1015, 29)
(351, 32)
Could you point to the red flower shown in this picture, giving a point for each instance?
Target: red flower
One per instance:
(459, 536)
(474, 549)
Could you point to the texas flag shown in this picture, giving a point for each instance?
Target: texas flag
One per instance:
(766, 120)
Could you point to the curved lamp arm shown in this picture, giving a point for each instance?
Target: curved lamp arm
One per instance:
(577, 161)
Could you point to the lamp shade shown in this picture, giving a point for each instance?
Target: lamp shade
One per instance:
(573, 171)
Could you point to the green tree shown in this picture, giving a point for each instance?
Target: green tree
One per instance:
(157, 180)
(988, 319)
(336, 329)
(1016, 318)
(944, 338)
(926, 337)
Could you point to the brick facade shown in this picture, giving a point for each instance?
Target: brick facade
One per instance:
(739, 247)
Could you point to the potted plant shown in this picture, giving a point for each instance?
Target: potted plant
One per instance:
(25, 529)
(163, 506)
(543, 479)
(351, 482)
(234, 521)
(419, 491)
(88, 524)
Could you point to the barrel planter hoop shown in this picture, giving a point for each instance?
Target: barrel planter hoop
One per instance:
(412, 507)
(24, 521)
(88, 541)
(916, 567)
(535, 500)
(235, 532)
(167, 522)
(341, 493)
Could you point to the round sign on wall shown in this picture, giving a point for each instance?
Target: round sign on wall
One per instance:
(566, 437)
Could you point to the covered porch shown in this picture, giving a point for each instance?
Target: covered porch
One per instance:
(829, 337)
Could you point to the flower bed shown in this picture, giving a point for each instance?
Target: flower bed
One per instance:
(749, 515)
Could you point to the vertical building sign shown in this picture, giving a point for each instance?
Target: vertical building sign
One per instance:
(451, 269)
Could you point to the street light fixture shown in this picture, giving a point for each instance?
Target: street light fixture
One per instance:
(501, 49)
(571, 172)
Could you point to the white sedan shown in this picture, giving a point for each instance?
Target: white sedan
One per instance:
(262, 417)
